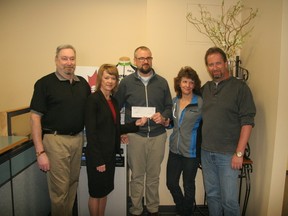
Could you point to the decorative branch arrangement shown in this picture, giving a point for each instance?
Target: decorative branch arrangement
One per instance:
(225, 31)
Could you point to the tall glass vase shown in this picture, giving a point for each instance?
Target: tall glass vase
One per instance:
(231, 66)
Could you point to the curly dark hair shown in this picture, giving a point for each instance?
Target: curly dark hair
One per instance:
(189, 73)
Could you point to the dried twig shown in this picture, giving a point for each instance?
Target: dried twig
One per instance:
(226, 31)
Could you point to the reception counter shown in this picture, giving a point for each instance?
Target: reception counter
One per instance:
(9, 142)
(23, 187)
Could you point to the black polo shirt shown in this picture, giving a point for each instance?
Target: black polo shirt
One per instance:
(60, 102)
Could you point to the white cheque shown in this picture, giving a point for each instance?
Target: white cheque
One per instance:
(139, 112)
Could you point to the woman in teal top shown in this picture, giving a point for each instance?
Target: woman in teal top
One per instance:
(184, 143)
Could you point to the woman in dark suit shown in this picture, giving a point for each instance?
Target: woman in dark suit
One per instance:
(103, 129)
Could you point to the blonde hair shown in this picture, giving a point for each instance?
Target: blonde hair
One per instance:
(110, 69)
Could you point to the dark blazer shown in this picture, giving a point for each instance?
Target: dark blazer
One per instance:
(103, 135)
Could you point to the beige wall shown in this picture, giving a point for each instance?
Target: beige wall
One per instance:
(266, 57)
(103, 31)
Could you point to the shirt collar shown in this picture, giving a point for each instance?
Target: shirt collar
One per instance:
(61, 78)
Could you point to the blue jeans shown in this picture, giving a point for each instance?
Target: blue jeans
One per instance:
(176, 165)
(221, 184)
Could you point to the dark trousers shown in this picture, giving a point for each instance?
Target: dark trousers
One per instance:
(176, 165)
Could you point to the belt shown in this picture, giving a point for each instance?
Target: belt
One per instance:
(55, 132)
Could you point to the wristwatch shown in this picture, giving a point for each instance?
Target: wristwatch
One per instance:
(239, 154)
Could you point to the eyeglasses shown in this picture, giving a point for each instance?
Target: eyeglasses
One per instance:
(142, 59)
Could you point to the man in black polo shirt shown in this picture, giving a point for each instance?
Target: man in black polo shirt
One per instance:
(57, 113)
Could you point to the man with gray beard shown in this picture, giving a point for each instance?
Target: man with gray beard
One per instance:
(57, 121)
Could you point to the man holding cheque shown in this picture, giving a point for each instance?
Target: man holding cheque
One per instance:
(145, 93)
